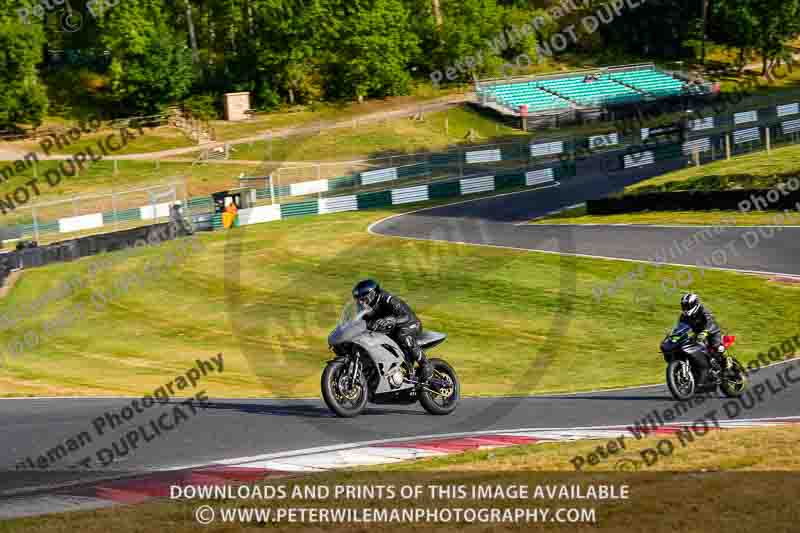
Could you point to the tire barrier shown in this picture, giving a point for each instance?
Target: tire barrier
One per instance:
(772, 199)
(31, 256)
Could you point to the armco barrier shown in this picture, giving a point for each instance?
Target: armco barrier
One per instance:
(483, 156)
(747, 135)
(537, 177)
(417, 170)
(637, 155)
(788, 109)
(344, 182)
(378, 176)
(409, 195)
(216, 221)
(690, 201)
(338, 204)
(507, 181)
(444, 189)
(402, 195)
(310, 207)
(791, 126)
(476, 185)
(256, 215)
(550, 148)
(374, 199)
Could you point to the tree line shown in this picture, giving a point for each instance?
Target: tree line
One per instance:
(138, 56)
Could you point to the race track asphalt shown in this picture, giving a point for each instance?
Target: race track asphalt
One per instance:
(250, 427)
(240, 428)
(499, 221)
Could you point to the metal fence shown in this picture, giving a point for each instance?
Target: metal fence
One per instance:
(324, 180)
(94, 213)
(724, 136)
(702, 139)
(699, 136)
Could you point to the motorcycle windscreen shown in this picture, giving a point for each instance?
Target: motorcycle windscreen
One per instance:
(352, 312)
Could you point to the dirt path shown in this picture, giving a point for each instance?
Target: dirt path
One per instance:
(407, 110)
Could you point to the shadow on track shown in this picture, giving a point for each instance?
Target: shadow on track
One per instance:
(299, 410)
(658, 398)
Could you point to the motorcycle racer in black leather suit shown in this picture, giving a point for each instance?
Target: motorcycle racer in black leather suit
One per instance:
(394, 317)
(708, 332)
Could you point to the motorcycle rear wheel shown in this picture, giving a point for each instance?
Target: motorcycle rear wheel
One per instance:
(445, 399)
(337, 401)
(681, 384)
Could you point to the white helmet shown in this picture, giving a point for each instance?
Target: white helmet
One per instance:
(690, 304)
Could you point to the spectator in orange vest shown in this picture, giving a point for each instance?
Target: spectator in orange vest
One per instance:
(229, 217)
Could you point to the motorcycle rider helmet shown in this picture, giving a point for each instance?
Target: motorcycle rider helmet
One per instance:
(366, 292)
(690, 304)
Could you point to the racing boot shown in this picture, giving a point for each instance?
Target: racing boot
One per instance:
(425, 369)
(714, 371)
(414, 352)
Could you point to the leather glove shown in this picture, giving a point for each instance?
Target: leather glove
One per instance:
(385, 324)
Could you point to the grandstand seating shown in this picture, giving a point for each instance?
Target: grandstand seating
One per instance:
(613, 87)
(650, 81)
(602, 91)
(516, 94)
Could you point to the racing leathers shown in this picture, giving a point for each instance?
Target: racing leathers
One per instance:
(708, 332)
(395, 317)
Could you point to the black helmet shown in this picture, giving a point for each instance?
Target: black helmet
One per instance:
(366, 292)
(690, 304)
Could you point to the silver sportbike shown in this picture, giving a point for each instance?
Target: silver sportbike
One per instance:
(370, 367)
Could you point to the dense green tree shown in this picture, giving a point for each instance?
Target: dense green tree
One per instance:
(735, 25)
(472, 38)
(368, 46)
(778, 22)
(151, 63)
(764, 26)
(657, 28)
(23, 98)
(282, 54)
(142, 54)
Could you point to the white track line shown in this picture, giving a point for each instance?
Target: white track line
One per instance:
(681, 226)
(371, 231)
(590, 256)
(363, 444)
(369, 228)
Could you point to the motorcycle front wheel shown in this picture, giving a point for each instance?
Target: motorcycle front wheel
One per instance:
(440, 395)
(735, 382)
(345, 399)
(680, 380)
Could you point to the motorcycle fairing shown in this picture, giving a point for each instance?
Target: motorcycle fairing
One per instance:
(375, 346)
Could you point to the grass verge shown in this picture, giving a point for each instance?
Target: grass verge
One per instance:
(435, 131)
(729, 450)
(754, 170)
(268, 295)
(757, 170)
(578, 215)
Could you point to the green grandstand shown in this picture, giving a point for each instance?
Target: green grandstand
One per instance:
(588, 89)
